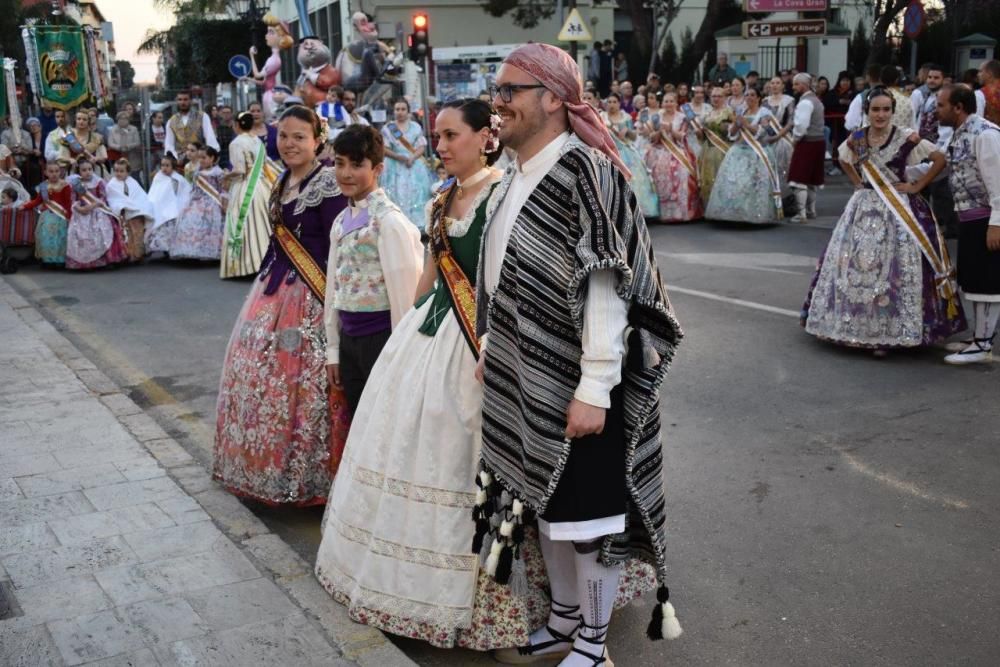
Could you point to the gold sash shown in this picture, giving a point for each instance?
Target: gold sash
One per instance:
(57, 208)
(207, 188)
(771, 171)
(715, 139)
(101, 206)
(679, 153)
(303, 262)
(463, 294)
(944, 272)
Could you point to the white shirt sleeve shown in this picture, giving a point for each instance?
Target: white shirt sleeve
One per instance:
(855, 113)
(170, 142)
(988, 161)
(605, 318)
(206, 127)
(401, 256)
(980, 102)
(52, 146)
(331, 321)
(917, 102)
(803, 112)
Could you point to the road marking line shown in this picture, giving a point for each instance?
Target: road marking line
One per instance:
(900, 485)
(134, 379)
(736, 302)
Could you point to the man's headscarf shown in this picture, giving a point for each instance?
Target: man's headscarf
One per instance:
(556, 70)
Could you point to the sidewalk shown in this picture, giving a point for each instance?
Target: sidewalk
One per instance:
(116, 548)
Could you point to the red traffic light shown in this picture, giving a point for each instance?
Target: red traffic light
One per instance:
(420, 21)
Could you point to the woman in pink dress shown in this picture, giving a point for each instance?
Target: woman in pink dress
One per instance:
(278, 38)
(673, 165)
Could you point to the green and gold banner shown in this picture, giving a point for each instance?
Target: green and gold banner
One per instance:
(61, 65)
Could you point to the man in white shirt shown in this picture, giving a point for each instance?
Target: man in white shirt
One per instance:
(53, 142)
(566, 263)
(855, 117)
(974, 158)
(805, 171)
(929, 127)
(187, 126)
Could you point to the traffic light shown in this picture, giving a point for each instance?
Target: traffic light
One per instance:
(419, 38)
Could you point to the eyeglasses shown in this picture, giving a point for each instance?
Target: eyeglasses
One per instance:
(506, 90)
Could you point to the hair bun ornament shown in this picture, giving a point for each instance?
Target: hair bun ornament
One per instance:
(324, 132)
(493, 144)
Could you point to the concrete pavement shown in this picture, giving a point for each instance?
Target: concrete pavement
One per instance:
(116, 548)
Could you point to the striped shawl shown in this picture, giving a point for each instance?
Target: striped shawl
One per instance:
(582, 217)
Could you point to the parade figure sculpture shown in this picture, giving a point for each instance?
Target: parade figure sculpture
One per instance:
(318, 73)
(361, 61)
(278, 38)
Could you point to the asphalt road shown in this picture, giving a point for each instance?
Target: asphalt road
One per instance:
(825, 507)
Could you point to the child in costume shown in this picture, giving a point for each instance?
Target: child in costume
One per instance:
(129, 202)
(55, 198)
(198, 233)
(94, 234)
(168, 193)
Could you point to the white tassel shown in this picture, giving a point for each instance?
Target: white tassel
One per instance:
(671, 626)
(517, 507)
(485, 478)
(506, 528)
(481, 497)
(494, 558)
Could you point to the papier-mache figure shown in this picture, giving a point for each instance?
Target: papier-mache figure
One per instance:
(360, 62)
(278, 38)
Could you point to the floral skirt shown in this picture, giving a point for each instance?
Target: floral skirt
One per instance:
(281, 429)
(94, 240)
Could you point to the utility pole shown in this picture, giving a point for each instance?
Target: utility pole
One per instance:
(572, 45)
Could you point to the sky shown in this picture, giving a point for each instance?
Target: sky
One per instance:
(131, 19)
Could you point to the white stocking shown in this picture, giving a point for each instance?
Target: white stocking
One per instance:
(597, 585)
(987, 314)
(564, 615)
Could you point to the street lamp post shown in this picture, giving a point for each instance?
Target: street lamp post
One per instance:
(248, 10)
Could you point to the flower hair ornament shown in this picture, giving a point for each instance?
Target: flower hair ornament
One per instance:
(493, 143)
(324, 132)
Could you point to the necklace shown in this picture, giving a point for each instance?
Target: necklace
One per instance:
(469, 182)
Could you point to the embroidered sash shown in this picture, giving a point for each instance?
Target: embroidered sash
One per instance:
(771, 171)
(463, 295)
(100, 205)
(944, 273)
(272, 170)
(303, 262)
(398, 135)
(776, 126)
(208, 189)
(57, 208)
(235, 239)
(679, 153)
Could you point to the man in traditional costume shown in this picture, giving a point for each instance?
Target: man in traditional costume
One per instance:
(188, 126)
(989, 77)
(928, 126)
(974, 157)
(805, 172)
(570, 422)
(54, 140)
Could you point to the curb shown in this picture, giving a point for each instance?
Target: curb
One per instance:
(361, 644)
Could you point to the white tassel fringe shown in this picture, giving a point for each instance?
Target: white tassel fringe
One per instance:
(671, 626)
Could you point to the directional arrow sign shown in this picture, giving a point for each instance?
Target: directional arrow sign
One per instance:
(574, 29)
(760, 6)
(763, 29)
(239, 66)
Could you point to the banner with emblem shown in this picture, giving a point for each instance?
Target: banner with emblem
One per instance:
(58, 64)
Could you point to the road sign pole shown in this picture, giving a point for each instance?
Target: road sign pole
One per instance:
(572, 45)
(913, 59)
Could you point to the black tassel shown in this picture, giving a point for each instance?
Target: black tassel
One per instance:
(482, 527)
(655, 629)
(505, 565)
(517, 536)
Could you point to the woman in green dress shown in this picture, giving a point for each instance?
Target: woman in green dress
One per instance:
(714, 135)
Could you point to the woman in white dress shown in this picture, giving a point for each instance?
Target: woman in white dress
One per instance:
(247, 233)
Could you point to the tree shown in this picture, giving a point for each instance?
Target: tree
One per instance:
(669, 61)
(199, 49)
(858, 48)
(126, 73)
(718, 15)
(885, 13)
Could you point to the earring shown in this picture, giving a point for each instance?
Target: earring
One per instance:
(482, 157)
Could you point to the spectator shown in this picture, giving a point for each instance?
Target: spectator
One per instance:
(903, 115)
(124, 142)
(594, 63)
(48, 120)
(34, 164)
(625, 89)
(836, 102)
(722, 72)
(652, 83)
(225, 133)
(683, 93)
(989, 77)
(786, 80)
(753, 80)
(621, 66)
(157, 134)
(855, 112)
(607, 59)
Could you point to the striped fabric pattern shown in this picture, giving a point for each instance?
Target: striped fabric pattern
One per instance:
(581, 218)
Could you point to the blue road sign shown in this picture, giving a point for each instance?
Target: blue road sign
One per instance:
(914, 20)
(239, 66)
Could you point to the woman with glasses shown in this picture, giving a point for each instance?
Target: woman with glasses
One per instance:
(714, 135)
(885, 278)
(623, 134)
(407, 178)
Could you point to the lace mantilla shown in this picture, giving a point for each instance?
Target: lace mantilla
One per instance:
(322, 186)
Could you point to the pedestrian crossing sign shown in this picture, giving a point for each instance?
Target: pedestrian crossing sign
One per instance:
(574, 29)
